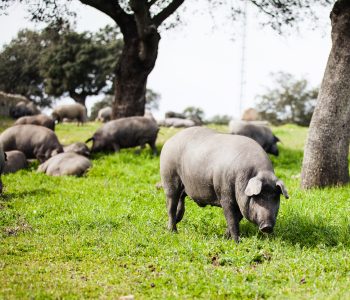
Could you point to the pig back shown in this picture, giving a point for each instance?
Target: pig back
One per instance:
(70, 111)
(132, 131)
(30, 139)
(260, 133)
(41, 120)
(209, 162)
(67, 163)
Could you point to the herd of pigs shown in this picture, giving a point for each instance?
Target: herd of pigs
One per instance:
(229, 170)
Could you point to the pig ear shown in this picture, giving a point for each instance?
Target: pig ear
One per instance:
(90, 139)
(276, 139)
(253, 187)
(280, 184)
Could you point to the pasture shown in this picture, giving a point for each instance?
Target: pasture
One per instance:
(104, 235)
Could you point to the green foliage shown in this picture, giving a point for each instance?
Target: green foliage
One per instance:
(19, 67)
(220, 119)
(58, 61)
(291, 101)
(152, 100)
(277, 14)
(106, 101)
(104, 235)
(80, 64)
(194, 113)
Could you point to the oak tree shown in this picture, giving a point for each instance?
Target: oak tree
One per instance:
(79, 64)
(291, 100)
(19, 68)
(327, 148)
(57, 61)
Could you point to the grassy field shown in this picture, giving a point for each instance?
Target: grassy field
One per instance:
(104, 235)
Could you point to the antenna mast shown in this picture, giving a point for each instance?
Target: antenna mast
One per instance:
(243, 58)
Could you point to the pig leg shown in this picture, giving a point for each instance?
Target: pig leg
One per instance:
(173, 193)
(142, 146)
(116, 147)
(40, 154)
(138, 151)
(233, 217)
(181, 207)
(153, 147)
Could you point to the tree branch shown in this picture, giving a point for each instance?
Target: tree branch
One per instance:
(142, 17)
(166, 12)
(261, 8)
(113, 9)
(151, 2)
(146, 30)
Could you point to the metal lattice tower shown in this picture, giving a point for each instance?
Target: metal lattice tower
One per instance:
(243, 58)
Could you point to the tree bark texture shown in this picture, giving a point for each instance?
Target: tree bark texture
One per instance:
(326, 153)
(135, 64)
(141, 39)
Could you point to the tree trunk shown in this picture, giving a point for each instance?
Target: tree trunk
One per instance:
(140, 51)
(327, 148)
(79, 98)
(135, 64)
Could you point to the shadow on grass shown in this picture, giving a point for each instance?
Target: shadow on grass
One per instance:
(36, 192)
(301, 230)
(147, 151)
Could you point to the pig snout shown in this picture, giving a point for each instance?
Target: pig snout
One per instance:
(266, 227)
(264, 214)
(267, 223)
(273, 150)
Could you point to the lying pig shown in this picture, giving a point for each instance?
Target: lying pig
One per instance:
(125, 133)
(176, 122)
(16, 160)
(78, 147)
(229, 171)
(41, 120)
(67, 163)
(261, 134)
(33, 140)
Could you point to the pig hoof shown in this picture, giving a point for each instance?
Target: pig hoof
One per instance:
(172, 229)
(159, 185)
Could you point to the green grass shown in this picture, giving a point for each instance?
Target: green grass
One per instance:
(104, 235)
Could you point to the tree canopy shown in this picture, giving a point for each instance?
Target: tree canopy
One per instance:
(194, 113)
(20, 67)
(219, 119)
(277, 13)
(80, 64)
(58, 61)
(290, 101)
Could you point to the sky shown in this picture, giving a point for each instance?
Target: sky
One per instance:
(199, 62)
